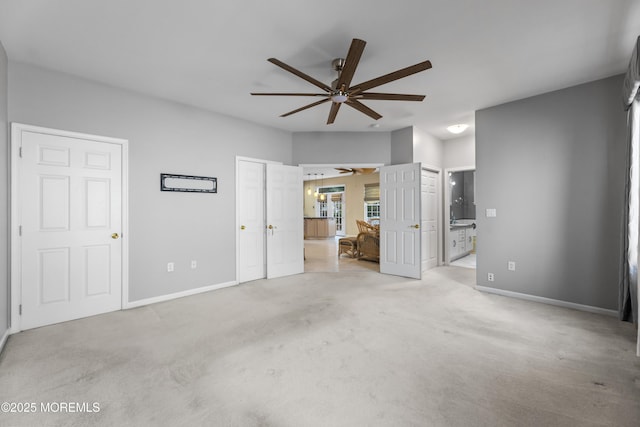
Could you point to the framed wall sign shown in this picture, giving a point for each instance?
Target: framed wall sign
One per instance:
(188, 183)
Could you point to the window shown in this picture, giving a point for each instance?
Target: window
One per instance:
(322, 208)
(372, 203)
(372, 211)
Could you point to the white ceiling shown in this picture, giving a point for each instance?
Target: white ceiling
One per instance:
(211, 54)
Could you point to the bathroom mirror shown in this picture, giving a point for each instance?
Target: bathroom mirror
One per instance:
(462, 188)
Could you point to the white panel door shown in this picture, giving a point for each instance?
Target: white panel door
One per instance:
(400, 220)
(429, 224)
(70, 192)
(251, 221)
(285, 227)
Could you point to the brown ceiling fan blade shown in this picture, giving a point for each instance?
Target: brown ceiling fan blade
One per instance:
(364, 171)
(305, 107)
(333, 113)
(387, 78)
(351, 63)
(390, 96)
(343, 170)
(363, 108)
(300, 74)
(288, 94)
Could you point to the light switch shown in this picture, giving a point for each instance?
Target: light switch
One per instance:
(491, 213)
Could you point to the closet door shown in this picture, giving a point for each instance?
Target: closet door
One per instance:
(251, 219)
(285, 227)
(400, 220)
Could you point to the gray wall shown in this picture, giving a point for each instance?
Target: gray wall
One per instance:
(341, 147)
(4, 196)
(402, 146)
(427, 149)
(552, 167)
(163, 137)
(459, 152)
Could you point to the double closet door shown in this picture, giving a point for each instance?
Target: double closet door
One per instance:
(270, 220)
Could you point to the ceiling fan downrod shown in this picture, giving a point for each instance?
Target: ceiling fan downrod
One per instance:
(338, 95)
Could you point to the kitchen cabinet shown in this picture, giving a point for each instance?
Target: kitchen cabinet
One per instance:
(319, 227)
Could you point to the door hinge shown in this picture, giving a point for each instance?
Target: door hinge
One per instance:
(20, 309)
(19, 230)
(20, 152)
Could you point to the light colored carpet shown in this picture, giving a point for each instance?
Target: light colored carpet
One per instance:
(332, 349)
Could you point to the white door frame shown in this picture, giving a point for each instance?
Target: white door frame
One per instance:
(439, 220)
(16, 203)
(238, 160)
(447, 207)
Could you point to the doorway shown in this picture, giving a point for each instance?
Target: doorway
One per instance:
(332, 205)
(460, 217)
(422, 192)
(69, 225)
(337, 192)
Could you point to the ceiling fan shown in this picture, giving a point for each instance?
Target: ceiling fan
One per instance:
(357, 171)
(341, 92)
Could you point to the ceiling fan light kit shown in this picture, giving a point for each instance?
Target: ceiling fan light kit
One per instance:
(341, 92)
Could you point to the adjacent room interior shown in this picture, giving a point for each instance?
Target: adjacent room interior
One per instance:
(319, 214)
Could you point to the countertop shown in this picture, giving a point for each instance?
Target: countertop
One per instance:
(460, 225)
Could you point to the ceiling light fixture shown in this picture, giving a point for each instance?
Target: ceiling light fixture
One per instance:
(339, 96)
(315, 193)
(459, 128)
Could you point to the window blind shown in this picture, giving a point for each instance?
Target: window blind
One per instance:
(371, 192)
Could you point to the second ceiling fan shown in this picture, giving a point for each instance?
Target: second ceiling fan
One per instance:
(341, 92)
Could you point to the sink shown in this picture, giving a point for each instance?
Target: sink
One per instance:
(460, 225)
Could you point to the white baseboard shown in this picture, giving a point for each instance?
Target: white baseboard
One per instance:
(3, 340)
(162, 298)
(549, 301)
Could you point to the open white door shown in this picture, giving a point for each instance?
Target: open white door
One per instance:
(400, 220)
(285, 226)
(251, 220)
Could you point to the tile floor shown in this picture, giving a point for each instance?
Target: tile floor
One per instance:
(468, 261)
(322, 256)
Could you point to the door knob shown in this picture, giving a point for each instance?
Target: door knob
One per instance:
(115, 236)
(242, 227)
(270, 227)
(415, 226)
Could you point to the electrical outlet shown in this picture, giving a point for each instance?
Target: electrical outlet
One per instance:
(511, 266)
(490, 277)
(170, 267)
(491, 213)
(194, 263)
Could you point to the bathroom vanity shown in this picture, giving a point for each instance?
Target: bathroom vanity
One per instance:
(461, 238)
